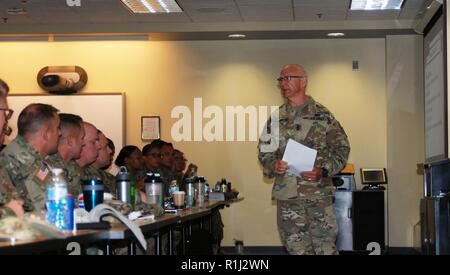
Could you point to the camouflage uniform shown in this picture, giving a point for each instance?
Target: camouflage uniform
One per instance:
(167, 175)
(6, 212)
(306, 218)
(72, 172)
(75, 175)
(108, 180)
(27, 171)
(7, 193)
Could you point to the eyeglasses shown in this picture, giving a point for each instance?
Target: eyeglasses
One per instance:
(7, 131)
(167, 154)
(289, 77)
(8, 113)
(156, 155)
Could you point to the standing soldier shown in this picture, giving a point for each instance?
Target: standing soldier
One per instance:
(306, 218)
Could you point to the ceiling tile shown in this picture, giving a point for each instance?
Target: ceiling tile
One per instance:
(211, 10)
(265, 10)
(373, 15)
(203, 11)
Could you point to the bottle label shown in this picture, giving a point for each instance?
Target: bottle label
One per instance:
(173, 189)
(51, 194)
(60, 193)
(58, 214)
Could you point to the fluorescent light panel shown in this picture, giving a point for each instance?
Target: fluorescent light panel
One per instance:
(152, 6)
(376, 4)
(335, 34)
(237, 35)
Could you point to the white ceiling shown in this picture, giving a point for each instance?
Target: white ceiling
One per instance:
(199, 11)
(47, 16)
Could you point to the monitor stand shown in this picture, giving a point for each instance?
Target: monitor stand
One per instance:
(374, 187)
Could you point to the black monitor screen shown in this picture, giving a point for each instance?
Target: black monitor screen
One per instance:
(373, 176)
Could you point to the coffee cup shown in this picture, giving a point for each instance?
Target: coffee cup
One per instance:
(178, 199)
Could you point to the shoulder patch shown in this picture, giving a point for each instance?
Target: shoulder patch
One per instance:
(42, 173)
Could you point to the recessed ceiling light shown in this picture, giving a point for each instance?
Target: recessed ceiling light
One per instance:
(336, 34)
(237, 35)
(152, 6)
(376, 4)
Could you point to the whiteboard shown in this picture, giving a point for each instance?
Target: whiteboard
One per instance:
(105, 111)
(435, 93)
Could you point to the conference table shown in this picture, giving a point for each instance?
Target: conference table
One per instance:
(114, 237)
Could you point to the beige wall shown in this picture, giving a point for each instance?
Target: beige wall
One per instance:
(405, 145)
(157, 76)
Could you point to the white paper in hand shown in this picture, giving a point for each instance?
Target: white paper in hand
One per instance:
(299, 157)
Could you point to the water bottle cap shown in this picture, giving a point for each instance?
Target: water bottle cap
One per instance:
(123, 174)
(200, 179)
(123, 177)
(57, 171)
(153, 178)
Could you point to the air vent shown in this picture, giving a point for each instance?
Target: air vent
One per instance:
(210, 10)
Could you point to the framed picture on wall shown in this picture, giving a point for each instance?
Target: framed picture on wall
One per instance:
(150, 127)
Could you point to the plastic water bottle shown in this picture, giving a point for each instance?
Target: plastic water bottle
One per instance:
(133, 194)
(173, 187)
(57, 202)
(124, 184)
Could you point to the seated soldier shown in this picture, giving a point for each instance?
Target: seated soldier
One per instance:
(10, 202)
(179, 166)
(111, 167)
(88, 155)
(152, 156)
(131, 157)
(104, 159)
(112, 148)
(23, 158)
(69, 149)
(165, 166)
